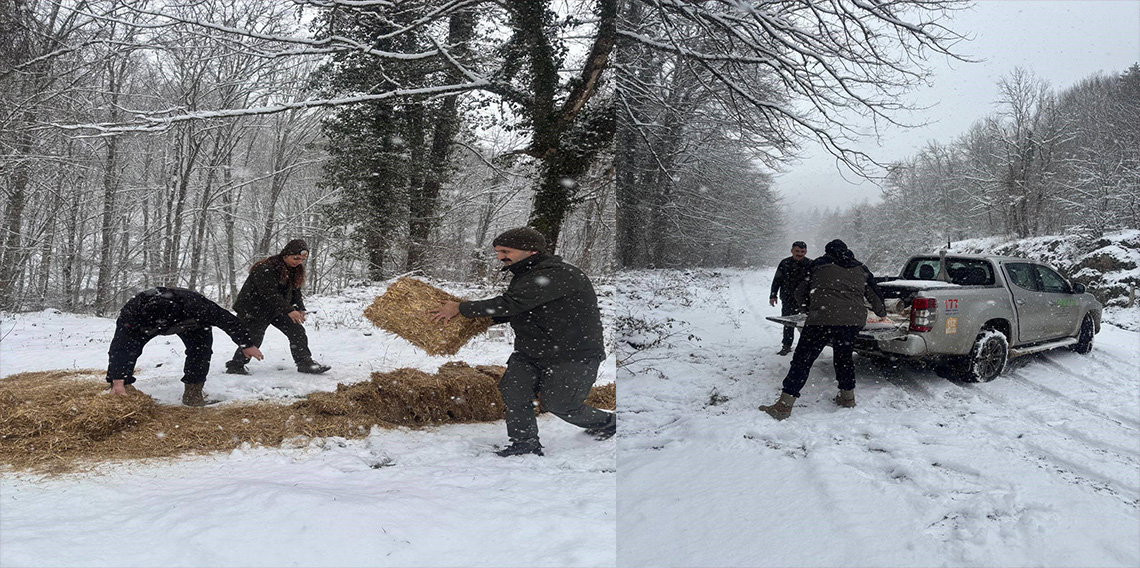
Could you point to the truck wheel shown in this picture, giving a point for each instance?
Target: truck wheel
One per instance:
(1085, 337)
(987, 358)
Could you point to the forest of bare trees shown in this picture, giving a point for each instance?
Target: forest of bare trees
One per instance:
(714, 97)
(152, 143)
(1044, 162)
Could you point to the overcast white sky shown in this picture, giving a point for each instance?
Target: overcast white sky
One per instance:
(1060, 41)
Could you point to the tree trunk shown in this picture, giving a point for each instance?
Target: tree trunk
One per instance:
(11, 261)
(425, 198)
(419, 226)
(107, 228)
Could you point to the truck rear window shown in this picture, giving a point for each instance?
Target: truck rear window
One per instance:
(961, 271)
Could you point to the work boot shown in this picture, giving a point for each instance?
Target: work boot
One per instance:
(521, 448)
(604, 432)
(193, 395)
(236, 369)
(312, 367)
(845, 398)
(782, 408)
(784, 350)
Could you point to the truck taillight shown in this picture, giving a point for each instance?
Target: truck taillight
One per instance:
(922, 314)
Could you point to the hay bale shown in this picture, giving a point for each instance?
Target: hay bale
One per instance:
(403, 310)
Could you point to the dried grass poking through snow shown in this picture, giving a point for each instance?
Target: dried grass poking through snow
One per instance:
(60, 421)
(403, 310)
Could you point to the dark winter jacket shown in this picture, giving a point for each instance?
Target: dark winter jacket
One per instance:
(552, 308)
(789, 274)
(170, 311)
(264, 296)
(834, 291)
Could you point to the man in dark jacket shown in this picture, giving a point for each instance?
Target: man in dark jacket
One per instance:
(554, 312)
(833, 292)
(172, 311)
(789, 274)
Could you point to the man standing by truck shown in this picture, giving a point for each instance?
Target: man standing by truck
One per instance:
(833, 292)
(789, 274)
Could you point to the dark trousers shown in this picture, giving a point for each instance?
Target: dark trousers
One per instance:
(812, 341)
(563, 386)
(294, 332)
(788, 308)
(127, 345)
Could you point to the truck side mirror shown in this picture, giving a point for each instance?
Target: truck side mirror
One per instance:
(1078, 288)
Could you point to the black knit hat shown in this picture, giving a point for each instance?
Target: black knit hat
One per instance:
(838, 249)
(295, 246)
(521, 238)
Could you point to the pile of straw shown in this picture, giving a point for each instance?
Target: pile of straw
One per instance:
(404, 310)
(59, 421)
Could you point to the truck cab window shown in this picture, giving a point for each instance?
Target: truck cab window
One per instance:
(1022, 275)
(1051, 281)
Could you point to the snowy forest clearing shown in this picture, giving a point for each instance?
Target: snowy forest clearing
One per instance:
(1039, 467)
(433, 496)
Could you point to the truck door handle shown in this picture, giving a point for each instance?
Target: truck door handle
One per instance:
(1019, 302)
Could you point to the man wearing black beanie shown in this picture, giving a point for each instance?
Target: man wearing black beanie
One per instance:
(553, 311)
(834, 293)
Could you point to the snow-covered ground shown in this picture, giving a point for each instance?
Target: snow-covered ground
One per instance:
(1040, 467)
(407, 497)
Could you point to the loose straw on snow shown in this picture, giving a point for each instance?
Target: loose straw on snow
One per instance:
(58, 421)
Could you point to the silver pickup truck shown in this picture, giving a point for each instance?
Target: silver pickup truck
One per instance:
(968, 314)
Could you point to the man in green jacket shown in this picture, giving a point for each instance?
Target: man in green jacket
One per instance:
(833, 292)
(553, 311)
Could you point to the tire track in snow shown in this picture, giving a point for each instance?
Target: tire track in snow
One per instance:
(1079, 445)
(1111, 370)
(1132, 490)
(1116, 418)
(1074, 473)
(1070, 440)
(1098, 353)
(1052, 424)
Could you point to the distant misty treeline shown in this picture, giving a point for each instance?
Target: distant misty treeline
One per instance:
(713, 97)
(153, 143)
(1046, 162)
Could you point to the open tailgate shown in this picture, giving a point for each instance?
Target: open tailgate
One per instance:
(878, 331)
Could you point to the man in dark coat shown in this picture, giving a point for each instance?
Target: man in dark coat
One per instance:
(271, 295)
(789, 274)
(833, 292)
(172, 311)
(554, 312)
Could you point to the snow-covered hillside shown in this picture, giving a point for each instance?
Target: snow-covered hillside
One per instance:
(1040, 467)
(407, 497)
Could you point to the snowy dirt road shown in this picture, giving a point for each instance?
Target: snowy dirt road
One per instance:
(1040, 467)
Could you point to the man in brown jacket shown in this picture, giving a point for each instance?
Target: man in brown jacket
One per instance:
(833, 293)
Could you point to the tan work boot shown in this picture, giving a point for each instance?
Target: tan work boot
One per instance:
(782, 408)
(193, 395)
(845, 398)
